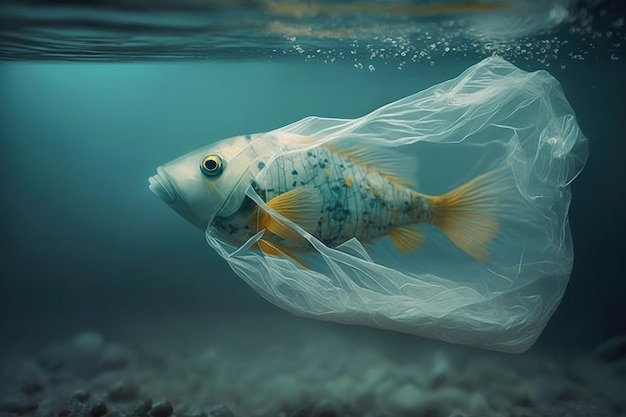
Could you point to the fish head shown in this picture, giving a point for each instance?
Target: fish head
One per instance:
(207, 182)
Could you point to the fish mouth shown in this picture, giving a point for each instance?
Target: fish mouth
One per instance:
(162, 187)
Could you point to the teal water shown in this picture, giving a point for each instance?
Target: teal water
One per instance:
(93, 99)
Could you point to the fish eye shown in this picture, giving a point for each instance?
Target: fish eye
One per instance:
(211, 165)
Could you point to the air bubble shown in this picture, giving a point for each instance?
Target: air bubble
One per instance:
(392, 41)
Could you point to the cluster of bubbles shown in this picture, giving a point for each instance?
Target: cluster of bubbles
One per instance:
(566, 34)
(364, 33)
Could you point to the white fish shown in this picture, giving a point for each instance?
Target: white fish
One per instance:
(333, 191)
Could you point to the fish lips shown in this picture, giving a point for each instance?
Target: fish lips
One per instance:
(162, 187)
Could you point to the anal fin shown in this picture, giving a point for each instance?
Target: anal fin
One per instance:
(407, 238)
(274, 249)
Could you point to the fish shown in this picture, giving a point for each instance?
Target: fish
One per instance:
(334, 190)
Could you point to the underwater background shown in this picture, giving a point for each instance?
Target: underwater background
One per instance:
(112, 302)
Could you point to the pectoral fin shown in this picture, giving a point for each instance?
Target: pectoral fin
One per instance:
(300, 205)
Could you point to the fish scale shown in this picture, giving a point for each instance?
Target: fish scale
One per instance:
(355, 200)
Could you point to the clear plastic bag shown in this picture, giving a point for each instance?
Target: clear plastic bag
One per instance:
(492, 116)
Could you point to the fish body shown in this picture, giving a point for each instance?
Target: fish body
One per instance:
(334, 191)
(343, 198)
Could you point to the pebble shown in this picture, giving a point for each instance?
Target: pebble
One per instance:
(123, 391)
(524, 400)
(341, 387)
(81, 396)
(162, 409)
(325, 409)
(196, 412)
(284, 388)
(583, 408)
(440, 371)
(221, 411)
(19, 407)
(141, 409)
(403, 400)
(186, 410)
(302, 412)
(64, 412)
(98, 409)
(568, 393)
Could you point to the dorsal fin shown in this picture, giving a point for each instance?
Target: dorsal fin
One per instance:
(395, 166)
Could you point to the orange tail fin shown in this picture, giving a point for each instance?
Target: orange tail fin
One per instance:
(467, 214)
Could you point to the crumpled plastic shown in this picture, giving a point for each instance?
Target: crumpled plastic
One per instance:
(493, 115)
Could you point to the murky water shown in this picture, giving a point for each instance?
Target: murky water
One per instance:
(113, 305)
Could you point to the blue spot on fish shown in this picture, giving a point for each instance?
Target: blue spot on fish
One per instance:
(261, 165)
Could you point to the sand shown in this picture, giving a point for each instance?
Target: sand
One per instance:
(286, 366)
